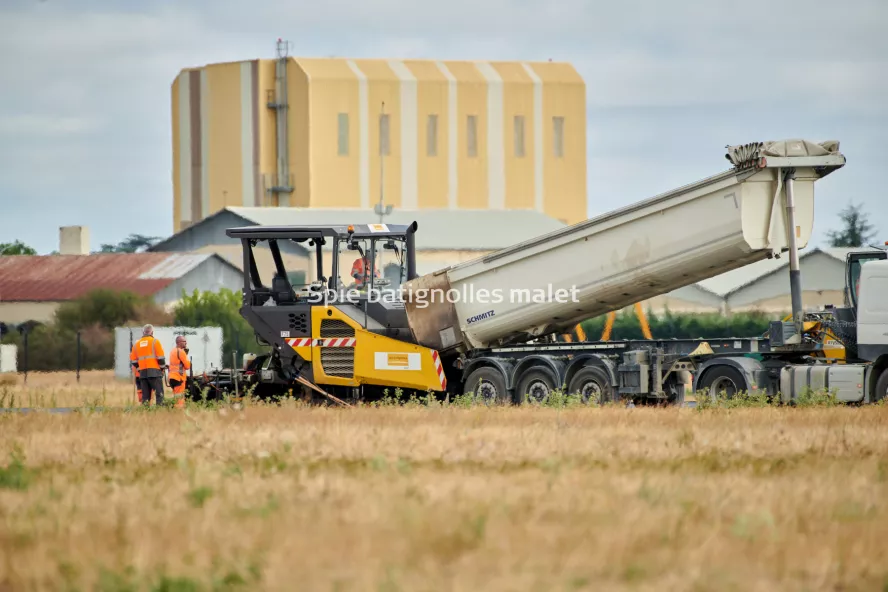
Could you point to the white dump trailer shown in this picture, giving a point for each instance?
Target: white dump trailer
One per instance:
(606, 263)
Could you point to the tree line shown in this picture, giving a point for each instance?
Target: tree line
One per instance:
(134, 243)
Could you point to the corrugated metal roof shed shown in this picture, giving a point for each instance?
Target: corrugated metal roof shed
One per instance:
(725, 283)
(458, 230)
(841, 253)
(733, 280)
(174, 266)
(56, 278)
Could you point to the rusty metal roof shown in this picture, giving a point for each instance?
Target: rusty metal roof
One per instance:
(55, 278)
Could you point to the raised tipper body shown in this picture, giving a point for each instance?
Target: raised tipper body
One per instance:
(676, 239)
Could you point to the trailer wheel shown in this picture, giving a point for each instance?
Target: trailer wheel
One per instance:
(881, 391)
(722, 378)
(537, 384)
(488, 384)
(592, 384)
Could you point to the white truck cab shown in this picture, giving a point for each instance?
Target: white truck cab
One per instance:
(872, 309)
(866, 310)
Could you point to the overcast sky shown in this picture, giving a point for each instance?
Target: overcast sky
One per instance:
(85, 101)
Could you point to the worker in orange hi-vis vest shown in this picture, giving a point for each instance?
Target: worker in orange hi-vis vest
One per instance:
(361, 271)
(147, 355)
(179, 365)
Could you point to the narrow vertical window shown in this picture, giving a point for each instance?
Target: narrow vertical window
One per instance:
(432, 135)
(472, 136)
(384, 134)
(558, 136)
(343, 134)
(519, 136)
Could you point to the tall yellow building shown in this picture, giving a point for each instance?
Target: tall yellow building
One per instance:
(332, 133)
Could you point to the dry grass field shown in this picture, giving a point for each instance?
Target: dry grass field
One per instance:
(61, 389)
(432, 498)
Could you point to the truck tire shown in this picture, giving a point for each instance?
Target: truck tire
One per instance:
(591, 383)
(536, 384)
(881, 391)
(488, 384)
(722, 378)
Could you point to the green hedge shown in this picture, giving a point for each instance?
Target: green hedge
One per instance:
(219, 309)
(682, 325)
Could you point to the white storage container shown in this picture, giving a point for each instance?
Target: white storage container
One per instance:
(8, 358)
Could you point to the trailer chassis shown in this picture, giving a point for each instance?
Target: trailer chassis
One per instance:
(643, 371)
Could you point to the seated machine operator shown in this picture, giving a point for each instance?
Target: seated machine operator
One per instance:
(361, 272)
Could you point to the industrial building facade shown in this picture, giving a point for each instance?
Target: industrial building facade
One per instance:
(332, 133)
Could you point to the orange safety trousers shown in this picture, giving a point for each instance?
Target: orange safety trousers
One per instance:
(138, 384)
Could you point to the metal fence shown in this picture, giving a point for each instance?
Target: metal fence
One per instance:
(26, 351)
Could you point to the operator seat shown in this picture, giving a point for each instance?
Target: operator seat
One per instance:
(281, 290)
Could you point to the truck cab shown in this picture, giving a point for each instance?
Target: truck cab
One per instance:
(853, 265)
(869, 303)
(862, 326)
